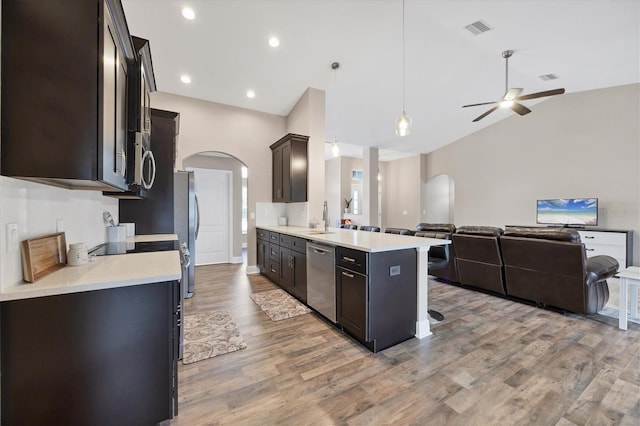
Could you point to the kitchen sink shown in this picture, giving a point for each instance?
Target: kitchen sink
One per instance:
(319, 232)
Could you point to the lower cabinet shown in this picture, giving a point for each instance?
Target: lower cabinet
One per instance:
(96, 357)
(352, 302)
(282, 259)
(377, 295)
(299, 275)
(263, 253)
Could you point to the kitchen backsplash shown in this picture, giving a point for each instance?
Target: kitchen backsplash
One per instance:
(36, 208)
(268, 213)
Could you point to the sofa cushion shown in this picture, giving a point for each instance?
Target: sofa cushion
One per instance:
(556, 234)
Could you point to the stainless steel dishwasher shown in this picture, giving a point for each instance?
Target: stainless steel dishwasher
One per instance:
(321, 279)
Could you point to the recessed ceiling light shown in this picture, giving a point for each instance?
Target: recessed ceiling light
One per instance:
(185, 79)
(274, 42)
(251, 94)
(188, 13)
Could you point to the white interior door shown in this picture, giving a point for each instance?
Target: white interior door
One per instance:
(214, 196)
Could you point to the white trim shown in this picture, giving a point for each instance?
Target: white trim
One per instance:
(253, 269)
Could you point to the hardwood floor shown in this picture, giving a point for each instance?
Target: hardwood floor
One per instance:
(490, 362)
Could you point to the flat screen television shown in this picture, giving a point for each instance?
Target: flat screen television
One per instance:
(568, 212)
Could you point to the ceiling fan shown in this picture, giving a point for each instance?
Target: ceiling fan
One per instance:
(512, 96)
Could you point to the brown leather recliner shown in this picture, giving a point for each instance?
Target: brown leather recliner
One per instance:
(550, 266)
(442, 263)
(370, 228)
(478, 257)
(398, 231)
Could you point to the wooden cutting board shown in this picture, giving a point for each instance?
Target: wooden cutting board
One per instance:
(43, 255)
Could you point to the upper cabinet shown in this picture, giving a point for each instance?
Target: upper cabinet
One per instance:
(141, 163)
(290, 169)
(65, 66)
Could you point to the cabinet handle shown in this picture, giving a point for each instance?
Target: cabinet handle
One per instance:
(292, 262)
(123, 169)
(346, 274)
(273, 270)
(590, 249)
(348, 259)
(589, 237)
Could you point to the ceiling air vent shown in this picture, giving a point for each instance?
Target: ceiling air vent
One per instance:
(547, 77)
(478, 27)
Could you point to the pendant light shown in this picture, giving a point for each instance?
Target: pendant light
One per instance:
(335, 149)
(403, 123)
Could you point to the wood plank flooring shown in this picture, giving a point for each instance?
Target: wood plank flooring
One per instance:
(490, 362)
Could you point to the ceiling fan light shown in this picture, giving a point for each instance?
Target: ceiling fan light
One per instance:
(506, 104)
(403, 124)
(335, 149)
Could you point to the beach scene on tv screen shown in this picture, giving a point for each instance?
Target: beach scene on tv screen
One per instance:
(570, 211)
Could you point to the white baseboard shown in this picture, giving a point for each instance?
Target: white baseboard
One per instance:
(236, 259)
(252, 270)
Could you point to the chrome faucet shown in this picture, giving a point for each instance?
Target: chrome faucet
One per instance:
(325, 216)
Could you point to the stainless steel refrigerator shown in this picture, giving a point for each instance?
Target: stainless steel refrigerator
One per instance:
(186, 223)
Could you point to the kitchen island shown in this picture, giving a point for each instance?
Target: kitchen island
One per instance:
(373, 242)
(93, 344)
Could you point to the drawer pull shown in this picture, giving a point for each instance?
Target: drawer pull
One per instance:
(590, 249)
(273, 270)
(348, 259)
(346, 274)
(589, 237)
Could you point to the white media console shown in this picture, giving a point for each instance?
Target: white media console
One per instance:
(615, 243)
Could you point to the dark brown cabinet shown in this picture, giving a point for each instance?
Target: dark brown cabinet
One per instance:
(95, 357)
(290, 172)
(282, 259)
(376, 295)
(352, 302)
(263, 249)
(64, 92)
(141, 165)
(154, 214)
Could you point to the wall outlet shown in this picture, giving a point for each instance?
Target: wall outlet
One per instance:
(13, 243)
(59, 225)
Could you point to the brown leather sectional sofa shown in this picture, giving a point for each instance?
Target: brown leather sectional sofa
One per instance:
(547, 266)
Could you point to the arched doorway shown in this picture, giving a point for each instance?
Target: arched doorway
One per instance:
(221, 184)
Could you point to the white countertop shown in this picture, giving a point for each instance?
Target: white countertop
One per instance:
(103, 273)
(359, 240)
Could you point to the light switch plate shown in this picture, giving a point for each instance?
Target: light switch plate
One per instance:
(13, 243)
(59, 225)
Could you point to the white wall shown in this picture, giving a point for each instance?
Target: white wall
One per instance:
(332, 191)
(241, 133)
(35, 208)
(402, 192)
(583, 144)
(307, 118)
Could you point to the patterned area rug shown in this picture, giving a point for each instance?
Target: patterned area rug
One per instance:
(278, 305)
(210, 334)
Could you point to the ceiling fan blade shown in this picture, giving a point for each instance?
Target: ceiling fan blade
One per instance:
(540, 94)
(486, 113)
(520, 109)
(512, 93)
(483, 103)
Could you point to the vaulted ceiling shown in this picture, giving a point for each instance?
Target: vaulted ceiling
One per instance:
(587, 44)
